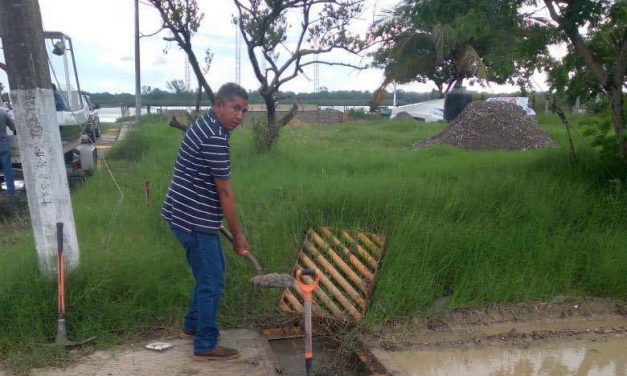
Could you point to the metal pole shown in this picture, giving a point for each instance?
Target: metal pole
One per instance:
(78, 84)
(394, 103)
(138, 98)
(67, 76)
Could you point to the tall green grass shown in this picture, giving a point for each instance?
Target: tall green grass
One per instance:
(478, 226)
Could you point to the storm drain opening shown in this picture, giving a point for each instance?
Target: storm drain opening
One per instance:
(347, 262)
(330, 355)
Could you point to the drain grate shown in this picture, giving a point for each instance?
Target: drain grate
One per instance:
(348, 262)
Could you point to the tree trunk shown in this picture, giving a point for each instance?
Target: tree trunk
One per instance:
(273, 127)
(198, 99)
(39, 138)
(618, 119)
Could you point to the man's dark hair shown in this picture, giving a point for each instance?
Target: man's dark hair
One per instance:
(230, 90)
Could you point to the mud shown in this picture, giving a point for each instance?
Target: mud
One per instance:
(272, 280)
(582, 336)
(289, 356)
(440, 325)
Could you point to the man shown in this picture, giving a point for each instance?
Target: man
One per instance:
(199, 196)
(59, 103)
(5, 150)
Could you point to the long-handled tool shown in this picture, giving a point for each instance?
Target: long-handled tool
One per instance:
(272, 280)
(307, 290)
(62, 339)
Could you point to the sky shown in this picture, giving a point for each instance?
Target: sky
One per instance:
(102, 33)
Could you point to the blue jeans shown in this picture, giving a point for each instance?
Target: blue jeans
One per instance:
(206, 259)
(5, 164)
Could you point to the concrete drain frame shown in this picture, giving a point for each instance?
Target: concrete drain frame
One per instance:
(348, 262)
(291, 362)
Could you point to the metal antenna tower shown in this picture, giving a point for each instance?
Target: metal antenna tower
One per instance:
(187, 74)
(316, 75)
(238, 55)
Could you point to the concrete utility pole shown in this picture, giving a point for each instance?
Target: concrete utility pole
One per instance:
(138, 92)
(38, 132)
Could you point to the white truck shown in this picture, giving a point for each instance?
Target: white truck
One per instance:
(78, 119)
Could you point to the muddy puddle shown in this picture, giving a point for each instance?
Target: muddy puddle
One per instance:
(583, 358)
(289, 357)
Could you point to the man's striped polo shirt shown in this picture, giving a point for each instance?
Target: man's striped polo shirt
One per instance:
(192, 200)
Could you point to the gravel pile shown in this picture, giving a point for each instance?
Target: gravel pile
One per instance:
(492, 125)
(403, 116)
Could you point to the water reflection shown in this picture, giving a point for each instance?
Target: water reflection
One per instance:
(575, 358)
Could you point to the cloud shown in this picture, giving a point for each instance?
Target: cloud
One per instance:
(159, 60)
(103, 36)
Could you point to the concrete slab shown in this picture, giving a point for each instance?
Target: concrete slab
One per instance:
(255, 360)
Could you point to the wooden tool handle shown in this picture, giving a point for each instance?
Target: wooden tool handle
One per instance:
(227, 234)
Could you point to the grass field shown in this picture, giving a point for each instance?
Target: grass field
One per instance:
(477, 226)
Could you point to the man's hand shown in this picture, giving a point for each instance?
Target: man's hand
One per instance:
(240, 244)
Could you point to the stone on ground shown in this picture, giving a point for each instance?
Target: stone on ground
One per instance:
(492, 125)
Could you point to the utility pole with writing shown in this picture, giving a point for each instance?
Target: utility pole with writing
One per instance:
(138, 94)
(38, 134)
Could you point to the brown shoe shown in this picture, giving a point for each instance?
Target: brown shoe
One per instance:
(218, 353)
(190, 334)
(186, 334)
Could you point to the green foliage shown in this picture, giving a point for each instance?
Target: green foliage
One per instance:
(135, 146)
(158, 97)
(260, 133)
(448, 41)
(177, 86)
(478, 226)
(319, 26)
(595, 61)
(599, 130)
(358, 114)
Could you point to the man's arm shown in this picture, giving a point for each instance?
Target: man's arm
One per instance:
(10, 123)
(227, 201)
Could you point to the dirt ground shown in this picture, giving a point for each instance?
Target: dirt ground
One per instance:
(255, 360)
(519, 325)
(529, 325)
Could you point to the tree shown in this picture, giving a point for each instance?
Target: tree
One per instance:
(182, 18)
(596, 34)
(320, 26)
(448, 41)
(177, 86)
(146, 90)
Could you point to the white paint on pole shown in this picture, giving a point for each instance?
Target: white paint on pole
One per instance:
(45, 177)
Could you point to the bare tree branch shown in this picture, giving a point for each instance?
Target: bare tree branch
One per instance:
(142, 35)
(336, 63)
(176, 124)
(289, 116)
(182, 18)
(264, 26)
